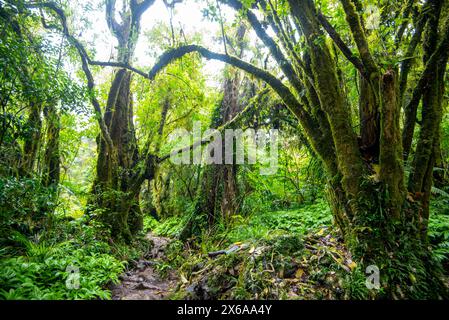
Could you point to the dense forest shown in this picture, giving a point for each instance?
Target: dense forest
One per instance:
(227, 149)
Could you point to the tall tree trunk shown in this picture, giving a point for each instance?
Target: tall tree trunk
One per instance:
(421, 176)
(115, 191)
(32, 139)
(115, 169)
(52, 160)
(228, 172)
(217, 193)
(369, 205)
(369, 121)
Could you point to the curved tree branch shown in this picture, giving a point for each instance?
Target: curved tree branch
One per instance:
(139, 8)
(440, 54)
(115, 64)
(341, 44)
(319, 141)
(113, 25)
(84, 61)
(407, 63)
(405, 16)
(277, 85)
(355, 24)
(275, 50)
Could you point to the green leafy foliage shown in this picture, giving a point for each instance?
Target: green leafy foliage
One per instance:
(42, 272)
(297, 221)
(23, 205)
(439, 237)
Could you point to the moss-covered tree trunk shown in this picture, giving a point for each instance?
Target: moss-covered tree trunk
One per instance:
(368, 195)
(216, 196)
(32, 139)
(52, 158)
(51, 166)
(427, 147)
(369, 120)
(114, 169)
(227, 173)
(116, 187)
(383, 222)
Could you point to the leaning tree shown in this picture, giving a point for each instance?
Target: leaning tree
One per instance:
(381, 208)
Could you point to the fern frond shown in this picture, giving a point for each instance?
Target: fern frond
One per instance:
(440, 192)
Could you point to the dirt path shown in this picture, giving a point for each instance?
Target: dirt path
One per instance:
(143, 282)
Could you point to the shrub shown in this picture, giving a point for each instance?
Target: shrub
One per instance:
(43, 269)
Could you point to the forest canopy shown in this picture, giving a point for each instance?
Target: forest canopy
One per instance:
(228, 149)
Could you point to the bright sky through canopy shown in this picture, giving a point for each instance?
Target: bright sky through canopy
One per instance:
(187, 15)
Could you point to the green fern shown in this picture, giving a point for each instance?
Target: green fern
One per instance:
(33, 249)
(440, 192)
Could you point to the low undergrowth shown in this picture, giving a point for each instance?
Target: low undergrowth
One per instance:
(288, 254)
(46, 255)
(292, 254)
(279, 267)
(273, 255)
(73, 261)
